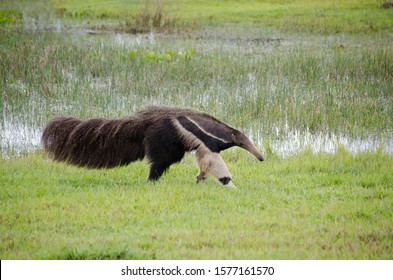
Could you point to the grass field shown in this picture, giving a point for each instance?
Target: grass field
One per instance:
(314, 93)
(307, 207)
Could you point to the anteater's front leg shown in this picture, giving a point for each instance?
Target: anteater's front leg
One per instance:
(201, 176)
(203, 164)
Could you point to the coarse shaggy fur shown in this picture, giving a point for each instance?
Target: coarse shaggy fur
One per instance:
(162, 134)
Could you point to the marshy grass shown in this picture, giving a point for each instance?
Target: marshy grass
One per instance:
(268, 88)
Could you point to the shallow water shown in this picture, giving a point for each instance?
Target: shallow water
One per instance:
(20, 130)
(296, 142)
(18, 139)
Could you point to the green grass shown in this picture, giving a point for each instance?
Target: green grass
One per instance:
(324, 16)
(306, 207)
(300, 15)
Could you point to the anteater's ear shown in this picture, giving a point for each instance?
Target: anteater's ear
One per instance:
(233, 137)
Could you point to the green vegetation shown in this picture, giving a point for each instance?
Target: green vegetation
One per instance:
(10, 17)
(262, 86)
(307, 207)
(261, 66)
(324, 16)
(301, 15)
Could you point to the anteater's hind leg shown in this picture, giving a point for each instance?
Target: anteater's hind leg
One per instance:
(156, 170)
(158, 165)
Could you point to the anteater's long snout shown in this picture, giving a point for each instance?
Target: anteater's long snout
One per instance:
(253, 150)
(260, 157)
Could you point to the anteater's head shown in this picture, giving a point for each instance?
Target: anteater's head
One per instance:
(242, 141)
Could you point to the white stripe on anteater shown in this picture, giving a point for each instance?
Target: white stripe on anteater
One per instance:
(206, 132)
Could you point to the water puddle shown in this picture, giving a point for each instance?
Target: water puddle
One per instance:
(18, 139)
(296, 142)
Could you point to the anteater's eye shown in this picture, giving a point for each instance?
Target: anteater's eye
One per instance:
(241, 144)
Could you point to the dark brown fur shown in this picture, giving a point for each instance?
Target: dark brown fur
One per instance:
(156, 132)
(94, 143)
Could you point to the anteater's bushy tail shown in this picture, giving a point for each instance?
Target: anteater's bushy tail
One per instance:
(94, 143)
